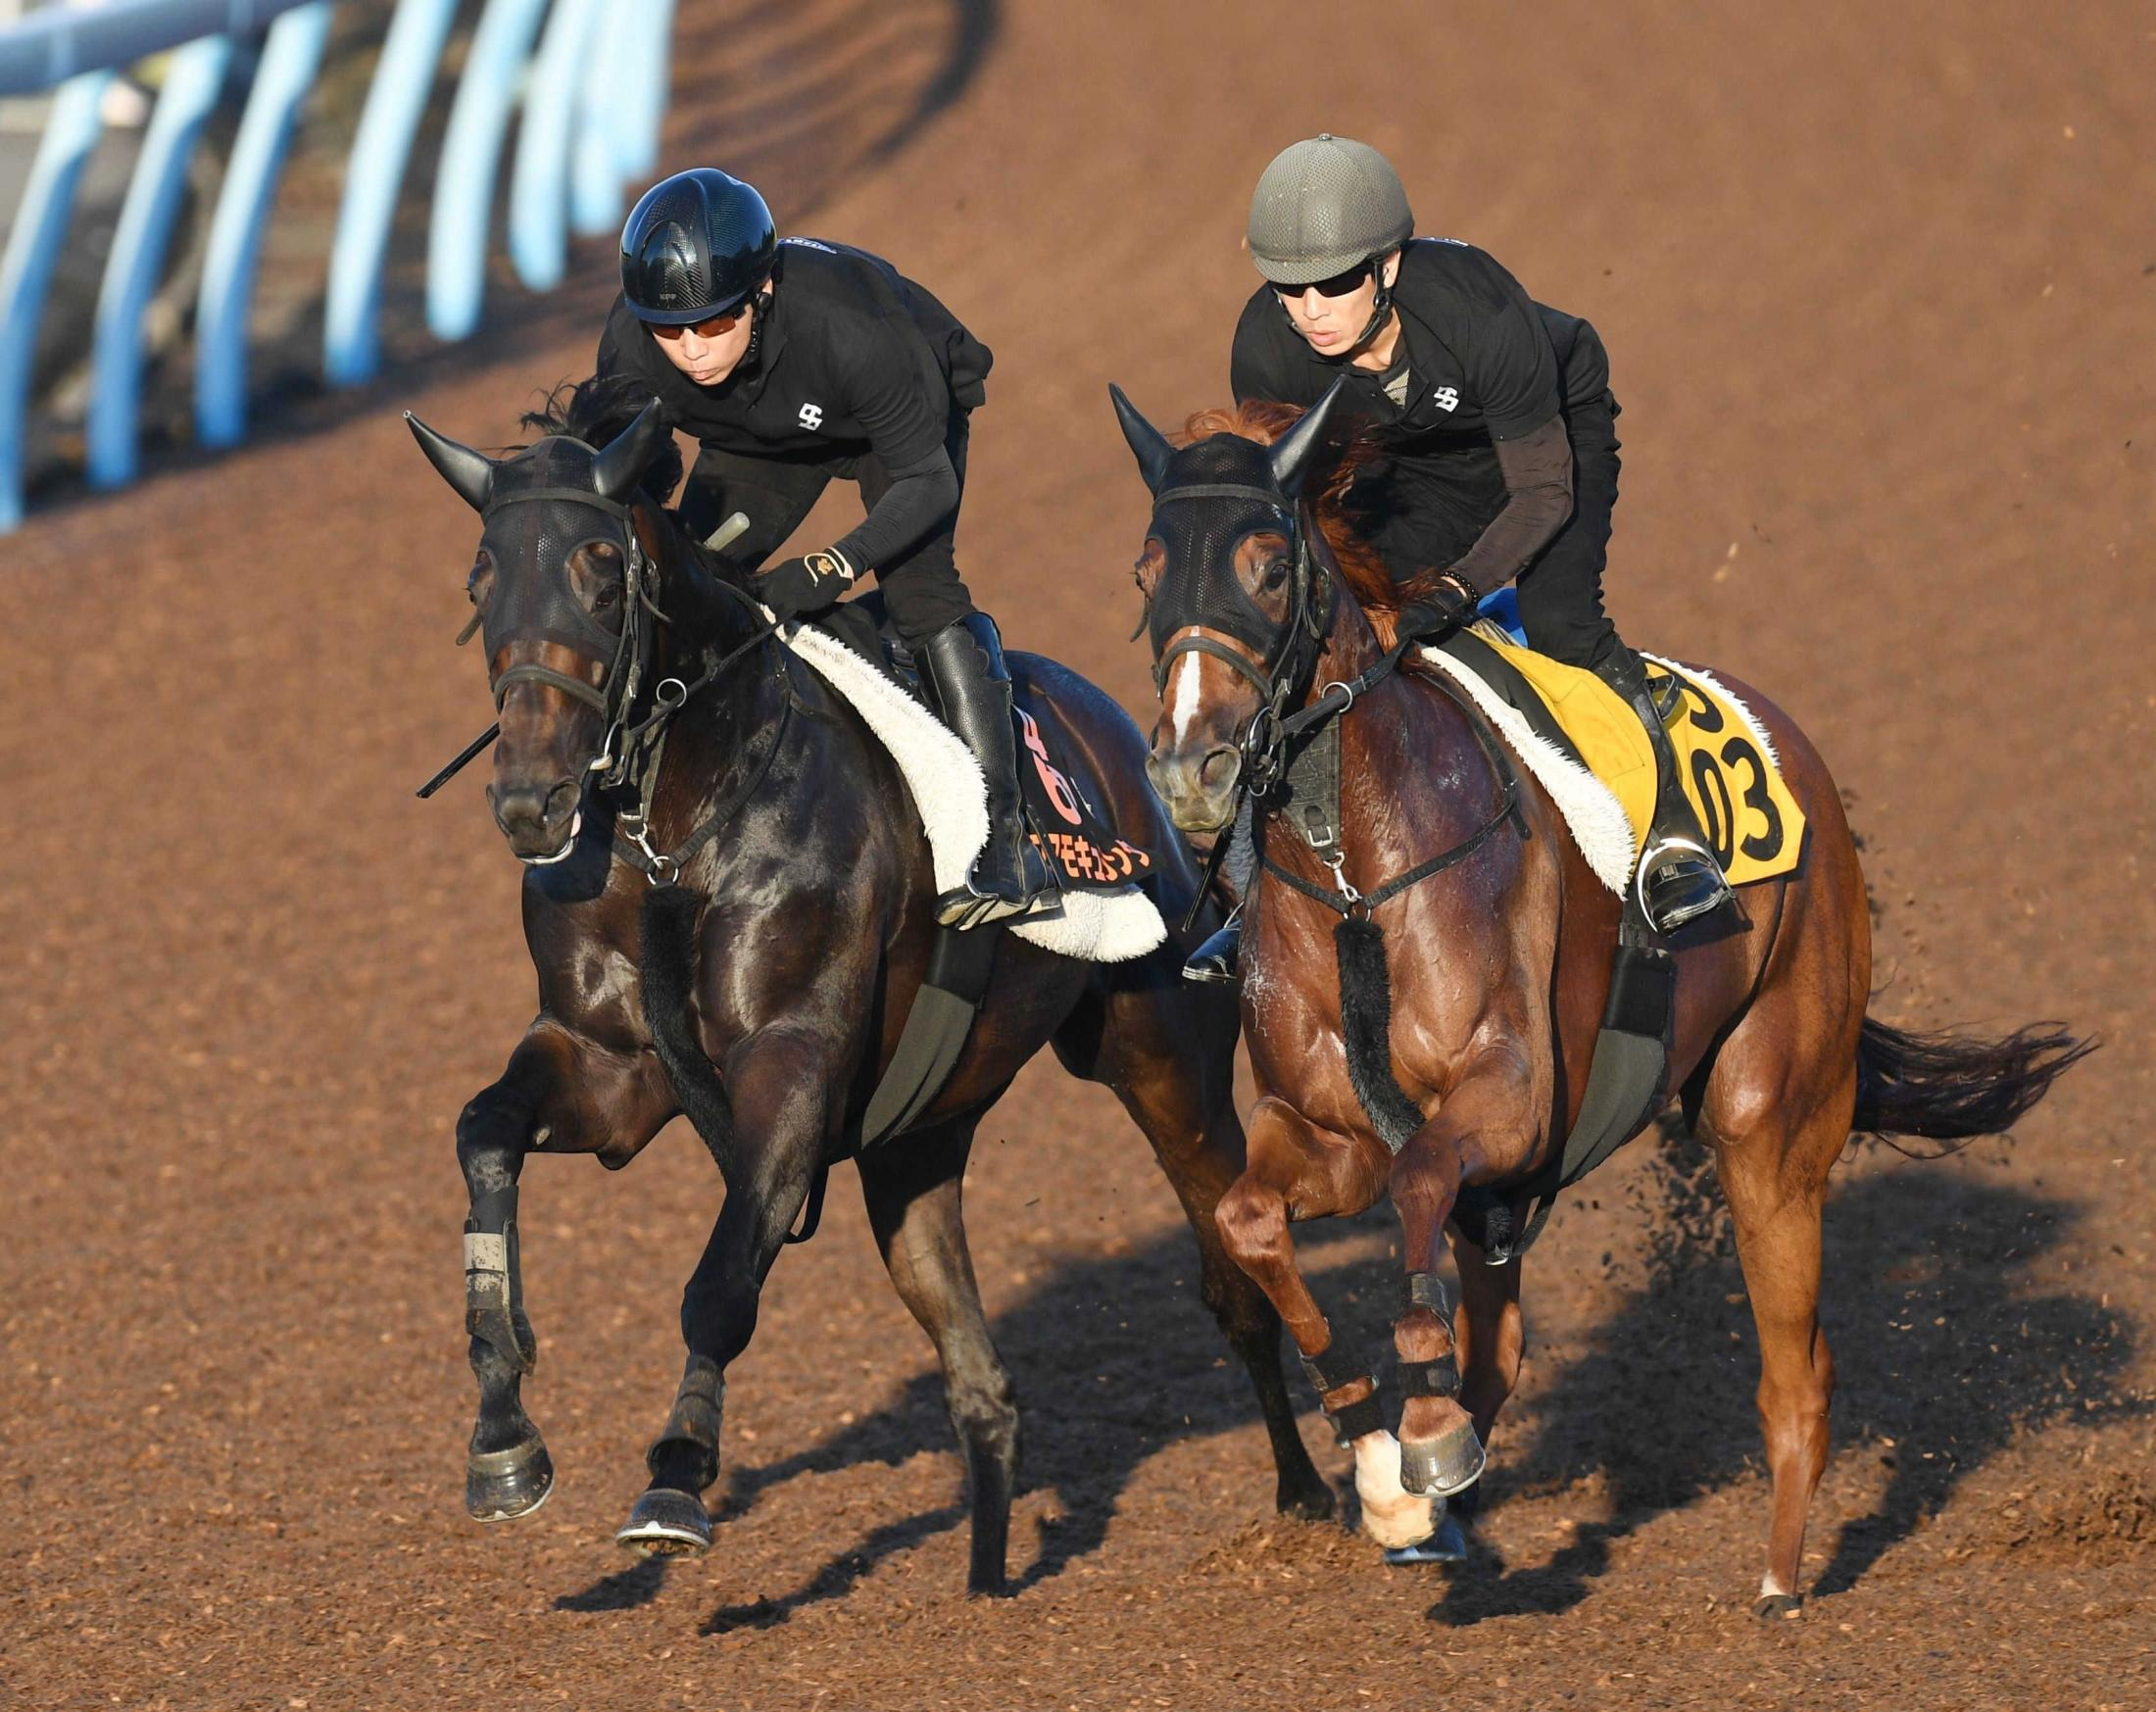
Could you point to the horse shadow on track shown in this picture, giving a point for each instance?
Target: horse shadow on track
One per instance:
(1941, 1302)
(1950, 1333)
(1114, 1357)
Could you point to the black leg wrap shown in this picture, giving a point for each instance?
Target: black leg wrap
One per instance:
(693, 1425)
(1426, 1289)
(494, 1306)
(1431, 1379)
(1328, 1370)
(1350, 1421)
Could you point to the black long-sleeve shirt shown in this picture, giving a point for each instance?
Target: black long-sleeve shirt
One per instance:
(853, 358)
(1477, 459)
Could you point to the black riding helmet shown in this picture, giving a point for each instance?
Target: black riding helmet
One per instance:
(696, 245)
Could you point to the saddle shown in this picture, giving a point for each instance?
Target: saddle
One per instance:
(1068, 827)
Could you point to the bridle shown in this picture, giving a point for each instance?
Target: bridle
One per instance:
(615, 692)
(629, 752)
(1290, 658)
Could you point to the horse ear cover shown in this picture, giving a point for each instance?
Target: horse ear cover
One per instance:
(469, 473)
(1147, 442)
(1291, 453)
(615, 469)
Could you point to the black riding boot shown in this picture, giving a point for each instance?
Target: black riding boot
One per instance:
(1219, 957)
(1679, 878)
(962, 666)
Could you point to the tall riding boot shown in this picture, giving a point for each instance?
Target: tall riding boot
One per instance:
(962, 665)
(1679, 878)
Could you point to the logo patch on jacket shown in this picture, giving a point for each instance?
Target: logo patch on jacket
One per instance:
(812, 416)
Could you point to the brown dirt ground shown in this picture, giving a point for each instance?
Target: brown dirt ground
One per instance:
(1878, 286)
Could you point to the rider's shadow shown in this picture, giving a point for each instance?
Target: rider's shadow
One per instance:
(1945, 1347)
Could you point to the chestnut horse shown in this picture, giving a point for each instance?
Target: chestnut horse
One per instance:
(1500, 959)
(747, 950)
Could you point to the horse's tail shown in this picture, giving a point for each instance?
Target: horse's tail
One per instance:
(667, 935)
(1954, 1087)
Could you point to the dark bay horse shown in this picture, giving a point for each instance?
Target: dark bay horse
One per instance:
(1499, 968)
(747, 952)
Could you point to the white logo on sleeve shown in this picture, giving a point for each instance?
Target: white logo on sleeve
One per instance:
(1447, 398)
(812, 416)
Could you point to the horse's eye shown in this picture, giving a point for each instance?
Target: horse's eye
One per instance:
(1276, 574)
(605, 597)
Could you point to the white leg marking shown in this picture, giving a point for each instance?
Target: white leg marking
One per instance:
(1187, 674)
(1392, 1515)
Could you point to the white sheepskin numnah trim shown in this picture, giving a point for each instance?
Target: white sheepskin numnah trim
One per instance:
(1720, 693)
(1095, 927)
(1592, 812)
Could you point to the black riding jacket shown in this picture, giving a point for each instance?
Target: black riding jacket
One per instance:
(853, 358)
(1488, 374)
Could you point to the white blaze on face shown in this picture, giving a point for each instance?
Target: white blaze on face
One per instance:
(1188, 671)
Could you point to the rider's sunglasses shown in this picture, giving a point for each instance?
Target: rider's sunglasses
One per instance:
(708, 329)
(1340, 285)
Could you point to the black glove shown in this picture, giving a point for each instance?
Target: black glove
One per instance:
(794, 586)
(1440, 612)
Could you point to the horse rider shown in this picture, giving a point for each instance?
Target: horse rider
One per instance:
(1500, 448)
(796, 361)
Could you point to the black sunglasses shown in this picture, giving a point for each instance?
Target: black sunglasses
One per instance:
(1340, 285)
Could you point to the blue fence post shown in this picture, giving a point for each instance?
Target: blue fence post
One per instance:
(647, 68)
(290, 58)
(538, 185)
(396, 101)
(192, 78)
(464, 187)
(595, 174)
(40, 228)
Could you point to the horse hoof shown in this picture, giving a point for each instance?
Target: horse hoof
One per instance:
(1443, 1466)
(501, 1485)
(1768, 1607)
(1448, 1545)
(667, 1523)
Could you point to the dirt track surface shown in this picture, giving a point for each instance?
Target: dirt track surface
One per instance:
(1879, 295)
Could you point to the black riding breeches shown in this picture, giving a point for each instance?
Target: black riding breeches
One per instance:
(921, 588)
(1562, 590)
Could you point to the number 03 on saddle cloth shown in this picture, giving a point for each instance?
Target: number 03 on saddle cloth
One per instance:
(1563, 719)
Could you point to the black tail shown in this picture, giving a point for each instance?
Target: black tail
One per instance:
(1952, 1088)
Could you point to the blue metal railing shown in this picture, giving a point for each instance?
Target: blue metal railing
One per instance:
(592, 77)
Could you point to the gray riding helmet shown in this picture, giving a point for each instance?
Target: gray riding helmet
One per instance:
(1326, 205)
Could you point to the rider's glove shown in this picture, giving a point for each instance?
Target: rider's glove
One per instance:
(1440, 611)
(794, 586)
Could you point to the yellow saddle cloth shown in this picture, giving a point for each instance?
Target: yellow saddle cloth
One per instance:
(1751, 821)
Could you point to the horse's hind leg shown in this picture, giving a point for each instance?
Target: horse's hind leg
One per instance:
(913, 1190)
(1170, 1054)
(1774, 1139)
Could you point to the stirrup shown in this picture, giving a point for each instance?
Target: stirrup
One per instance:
(1708, 888)
(1218, 958)
(968, 906)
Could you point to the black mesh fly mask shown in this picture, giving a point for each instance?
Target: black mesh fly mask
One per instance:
(1209, 497)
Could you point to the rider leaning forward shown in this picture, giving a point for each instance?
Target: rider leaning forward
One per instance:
(796, 362)
(1499, 446)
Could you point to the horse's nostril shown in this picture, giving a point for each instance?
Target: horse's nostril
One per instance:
(562, 800)
(1217, 772)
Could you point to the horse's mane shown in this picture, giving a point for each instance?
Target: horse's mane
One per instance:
(1367, 579)
(596, 410)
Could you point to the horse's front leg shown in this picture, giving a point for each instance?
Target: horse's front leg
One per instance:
(559, 1094)
(1440, 1452)
(781, 1087)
